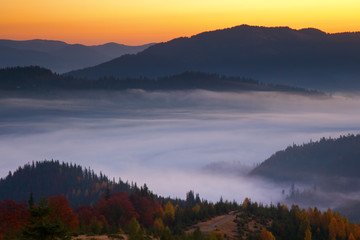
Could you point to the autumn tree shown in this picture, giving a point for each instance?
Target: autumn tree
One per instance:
(307, 234)
(351, 237)
(266, 235)
(118, 210)
(169, 213)
(61, 209)
(13, 217)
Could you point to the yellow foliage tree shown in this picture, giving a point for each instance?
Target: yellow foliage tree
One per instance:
(169, 213)
(158, 223)
(246, 203)
(266, 235)
(307, 234)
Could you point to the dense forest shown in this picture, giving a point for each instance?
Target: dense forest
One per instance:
(281, 223)
(81, 186)
(324, 172)
(66, 199)
(37, 78)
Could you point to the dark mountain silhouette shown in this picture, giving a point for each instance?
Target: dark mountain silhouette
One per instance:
(37, 78)
(306, 57)
(60, 56)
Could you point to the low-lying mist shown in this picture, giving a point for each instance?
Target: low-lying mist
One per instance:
(172, 141)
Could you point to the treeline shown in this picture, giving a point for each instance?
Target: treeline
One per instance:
(279, 222)
(37, 78)
(139, 215)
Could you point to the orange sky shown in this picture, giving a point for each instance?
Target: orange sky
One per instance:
(136, 22)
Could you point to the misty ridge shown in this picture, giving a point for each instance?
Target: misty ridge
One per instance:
(59, 56)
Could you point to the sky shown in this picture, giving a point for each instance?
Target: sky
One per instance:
(138, 22)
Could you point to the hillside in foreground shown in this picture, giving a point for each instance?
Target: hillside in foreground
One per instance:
(140, 214)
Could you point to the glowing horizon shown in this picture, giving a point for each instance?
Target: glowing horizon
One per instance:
(144, 21)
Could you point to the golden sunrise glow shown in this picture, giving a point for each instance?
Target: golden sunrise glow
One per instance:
(142, 21)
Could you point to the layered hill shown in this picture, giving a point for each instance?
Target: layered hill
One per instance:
(37, 78)
(307, 57)
(60, 56)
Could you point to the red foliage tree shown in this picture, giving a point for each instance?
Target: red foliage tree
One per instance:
(13, 217)
(60, 208)
(145, 208)
(118, 209)
(86, 214)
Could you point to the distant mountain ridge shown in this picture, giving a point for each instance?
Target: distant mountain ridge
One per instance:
(37, 78)
(60, 56)
(307, 57)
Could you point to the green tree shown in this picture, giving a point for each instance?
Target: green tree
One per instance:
(42, 226)
(134, 230)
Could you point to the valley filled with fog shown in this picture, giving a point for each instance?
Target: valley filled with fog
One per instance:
(172, 141)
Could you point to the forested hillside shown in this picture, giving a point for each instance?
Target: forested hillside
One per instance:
(327, 158)
(139, 214)
(66, 199)
(325, 173)
(81, 186)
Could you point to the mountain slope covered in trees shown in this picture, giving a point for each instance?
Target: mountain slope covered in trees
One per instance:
(81, 186)
(60, 56)
(34, 204)
(327, 158)
(323, 173)
(307, 57)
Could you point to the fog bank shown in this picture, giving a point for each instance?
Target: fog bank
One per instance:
(173, 141)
